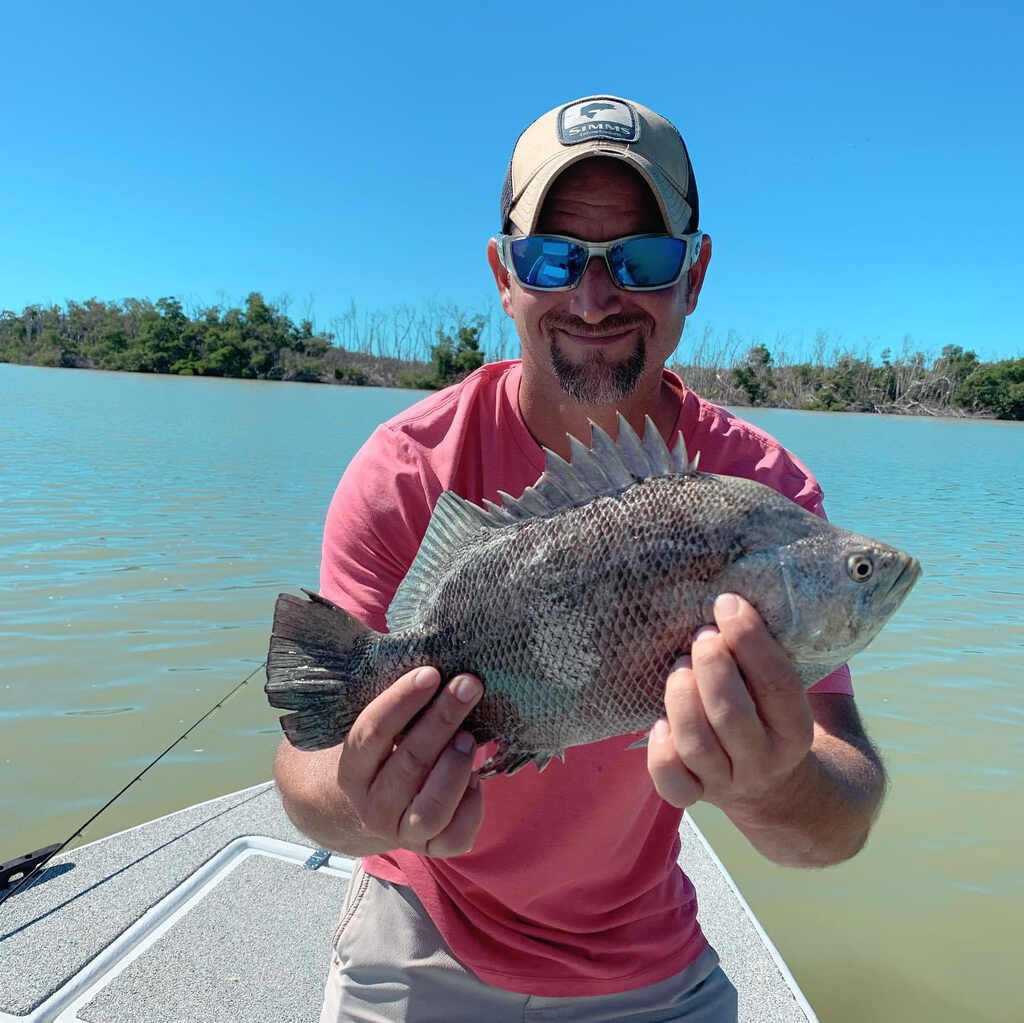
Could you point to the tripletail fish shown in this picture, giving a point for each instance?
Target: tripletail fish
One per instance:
(573, 601)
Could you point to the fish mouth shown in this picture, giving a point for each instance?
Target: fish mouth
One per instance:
(903, 583)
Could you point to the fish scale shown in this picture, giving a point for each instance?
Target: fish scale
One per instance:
(572, 601)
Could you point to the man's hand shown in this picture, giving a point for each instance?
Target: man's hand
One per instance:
(393, 784)
(416, 790)
(794, 771)
(738, 723)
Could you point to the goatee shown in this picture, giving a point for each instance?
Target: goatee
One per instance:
(597, 380)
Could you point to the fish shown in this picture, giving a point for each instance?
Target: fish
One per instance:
(592, 108)
(572, 602)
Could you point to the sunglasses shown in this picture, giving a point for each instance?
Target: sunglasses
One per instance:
(639, 262)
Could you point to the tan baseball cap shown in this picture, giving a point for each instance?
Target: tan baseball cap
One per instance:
(600, 126)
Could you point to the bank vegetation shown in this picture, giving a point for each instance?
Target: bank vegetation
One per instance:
(435, 345)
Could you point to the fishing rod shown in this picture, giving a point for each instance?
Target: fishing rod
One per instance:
(33, 863)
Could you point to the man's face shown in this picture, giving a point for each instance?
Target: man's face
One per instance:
(599, 341)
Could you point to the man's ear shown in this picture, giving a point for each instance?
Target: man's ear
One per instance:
(695, 277)
(501, 276)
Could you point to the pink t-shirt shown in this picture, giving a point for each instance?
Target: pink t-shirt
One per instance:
(572, 886)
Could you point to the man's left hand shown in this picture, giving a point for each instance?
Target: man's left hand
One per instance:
(738, 723)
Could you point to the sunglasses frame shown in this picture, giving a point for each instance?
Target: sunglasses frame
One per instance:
(693, 244)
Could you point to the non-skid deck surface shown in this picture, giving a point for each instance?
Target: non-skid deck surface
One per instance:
(234, 972)
(256, 945)
(53, 929)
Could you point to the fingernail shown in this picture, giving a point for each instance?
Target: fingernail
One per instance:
(660, 731)
(465, 688)
(683, 661)
(704, 632)
(464, 742)
(726, 605)
(426, 678)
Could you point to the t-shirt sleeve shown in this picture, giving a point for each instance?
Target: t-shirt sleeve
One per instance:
(374, 525)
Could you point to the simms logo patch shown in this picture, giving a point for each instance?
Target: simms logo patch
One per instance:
(600, 118)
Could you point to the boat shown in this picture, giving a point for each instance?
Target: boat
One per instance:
(223, 913)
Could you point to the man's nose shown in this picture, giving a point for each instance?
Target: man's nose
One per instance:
(596, 295)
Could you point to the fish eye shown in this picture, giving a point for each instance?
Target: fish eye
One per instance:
(860, 567)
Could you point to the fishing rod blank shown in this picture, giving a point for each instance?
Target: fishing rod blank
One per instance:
(32, 863)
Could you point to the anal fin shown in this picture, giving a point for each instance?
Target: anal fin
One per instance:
(640, 743)
(510, 759)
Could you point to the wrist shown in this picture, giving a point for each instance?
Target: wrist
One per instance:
(773, 804)
(313, 801)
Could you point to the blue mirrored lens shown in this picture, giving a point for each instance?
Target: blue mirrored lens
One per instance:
(647, 262)
(547, 262)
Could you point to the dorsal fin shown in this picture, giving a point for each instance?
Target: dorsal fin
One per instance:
(453, 523)
(604, 469)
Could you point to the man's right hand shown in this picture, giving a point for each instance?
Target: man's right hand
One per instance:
(391, 785)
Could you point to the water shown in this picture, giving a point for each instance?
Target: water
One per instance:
(148, 523)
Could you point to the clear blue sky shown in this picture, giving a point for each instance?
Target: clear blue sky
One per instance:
(861, 170)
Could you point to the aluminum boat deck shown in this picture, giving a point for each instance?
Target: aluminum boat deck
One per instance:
(211, 914)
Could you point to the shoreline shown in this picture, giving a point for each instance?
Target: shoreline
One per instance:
(919, 409)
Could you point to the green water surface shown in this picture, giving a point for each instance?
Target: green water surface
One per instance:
(147, 524)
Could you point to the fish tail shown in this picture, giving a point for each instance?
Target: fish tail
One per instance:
(317, 667)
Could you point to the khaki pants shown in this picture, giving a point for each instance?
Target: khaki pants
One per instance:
(390, 963)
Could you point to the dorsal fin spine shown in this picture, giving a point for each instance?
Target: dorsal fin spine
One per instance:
(680, 459)
(654, 448)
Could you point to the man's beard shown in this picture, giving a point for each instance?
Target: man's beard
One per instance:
(596, 380)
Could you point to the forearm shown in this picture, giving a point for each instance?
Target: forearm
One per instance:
(317, 806)
(823, 813)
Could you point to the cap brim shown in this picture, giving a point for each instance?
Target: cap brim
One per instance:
(673, 206)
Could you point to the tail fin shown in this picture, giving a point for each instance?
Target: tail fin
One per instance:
(315, 667)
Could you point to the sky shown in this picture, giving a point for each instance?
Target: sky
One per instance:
(860, 166)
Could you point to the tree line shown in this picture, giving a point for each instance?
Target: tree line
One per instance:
(259, 341)
(956, 382)
(433, 346)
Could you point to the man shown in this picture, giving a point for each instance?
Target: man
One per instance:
(556, 895)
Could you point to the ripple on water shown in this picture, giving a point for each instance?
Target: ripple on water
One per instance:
(96, 712)
(973, 888)
(1004, 714)
(24, 713)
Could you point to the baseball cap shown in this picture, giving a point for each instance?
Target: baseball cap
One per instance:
(600, 126)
